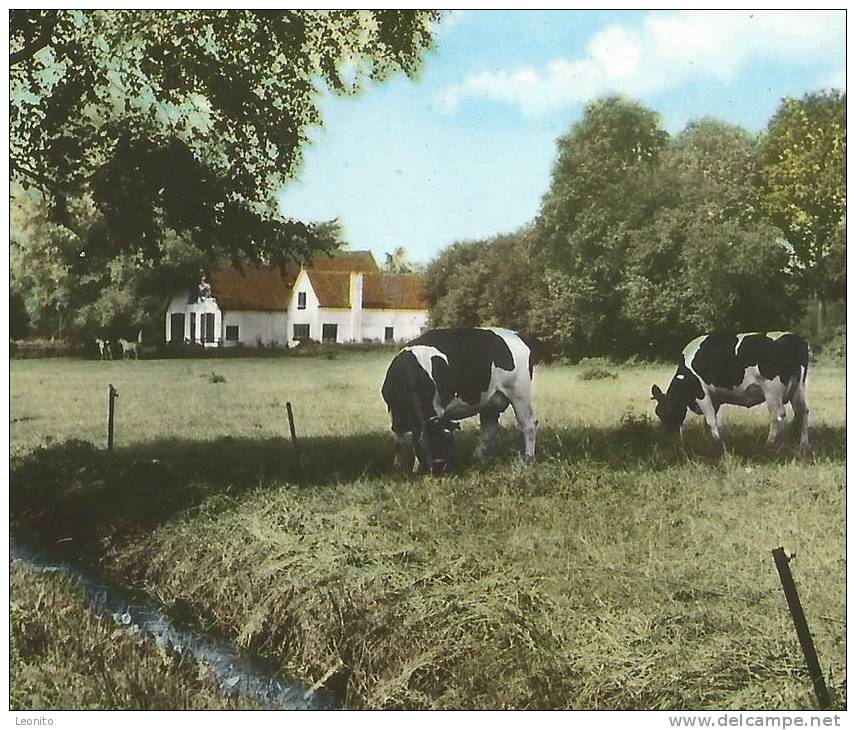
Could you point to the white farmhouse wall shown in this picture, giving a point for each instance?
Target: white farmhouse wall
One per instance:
(267, 328)
(179, 305)
(304, 316)
(342, 318)
(406, 323)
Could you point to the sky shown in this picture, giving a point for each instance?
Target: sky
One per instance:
(465, 150)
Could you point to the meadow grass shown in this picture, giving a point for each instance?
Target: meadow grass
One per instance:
(620, 572)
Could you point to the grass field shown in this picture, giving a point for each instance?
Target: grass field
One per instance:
(620, 572)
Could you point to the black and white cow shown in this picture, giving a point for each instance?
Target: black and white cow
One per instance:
(445, 375)
(744, 370)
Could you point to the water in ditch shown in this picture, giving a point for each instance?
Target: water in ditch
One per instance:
(235, 672)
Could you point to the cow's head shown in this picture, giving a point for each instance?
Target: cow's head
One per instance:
(437, 444)
(670, 410)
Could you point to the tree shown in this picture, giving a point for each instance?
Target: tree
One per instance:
(398, 262)
(703, 259)
(188, 122)
(484, 283)
(74, 286)
(666, 240)
(453, 284)
(804, 184)
(584, 218)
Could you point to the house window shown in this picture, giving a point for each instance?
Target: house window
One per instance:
(193, 326)
(208, 327)
(176, 327)
(329, 332)
(232, 332)
(388, 334)
(301, 300)
(301, 332)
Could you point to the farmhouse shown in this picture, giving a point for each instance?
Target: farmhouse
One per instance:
(339, 298)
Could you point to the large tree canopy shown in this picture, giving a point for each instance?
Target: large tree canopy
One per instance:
(188, 121)
(803, 165)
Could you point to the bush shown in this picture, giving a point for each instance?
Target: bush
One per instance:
(596, 368)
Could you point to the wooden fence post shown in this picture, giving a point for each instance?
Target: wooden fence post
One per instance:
(112, 394)
(294, 443)
(801, 625)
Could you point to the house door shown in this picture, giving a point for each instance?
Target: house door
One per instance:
(176, 327)
(208, 327)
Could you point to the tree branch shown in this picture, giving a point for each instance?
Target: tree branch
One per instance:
(44, 183)
(31, 49)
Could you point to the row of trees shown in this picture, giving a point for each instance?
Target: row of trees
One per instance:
(645, 240)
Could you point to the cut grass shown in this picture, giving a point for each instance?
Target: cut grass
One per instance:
(619, 573)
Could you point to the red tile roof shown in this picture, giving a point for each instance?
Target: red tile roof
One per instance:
(333, 288)
(394, 291)
(268, 289)
(346, 261)
(264, 289)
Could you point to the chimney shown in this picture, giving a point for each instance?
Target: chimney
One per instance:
(356, 296)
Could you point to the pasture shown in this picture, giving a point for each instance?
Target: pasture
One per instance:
(618, 573)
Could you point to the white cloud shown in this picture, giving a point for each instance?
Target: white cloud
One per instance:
(663, 53)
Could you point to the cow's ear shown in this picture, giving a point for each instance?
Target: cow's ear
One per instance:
(657, 393)
(454, 426)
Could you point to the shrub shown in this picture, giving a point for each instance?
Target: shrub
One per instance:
(596, 368)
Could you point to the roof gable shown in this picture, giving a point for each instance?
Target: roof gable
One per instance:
(333, 288)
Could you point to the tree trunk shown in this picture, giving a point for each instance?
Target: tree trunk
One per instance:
(820, 318)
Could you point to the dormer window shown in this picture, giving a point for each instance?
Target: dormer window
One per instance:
(301, 300)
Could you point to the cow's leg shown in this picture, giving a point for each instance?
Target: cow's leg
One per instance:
(528, 425)
(801, 413)
(711, 415)
(404, 454)
(774, 397)
(489, 427)
(488, 436)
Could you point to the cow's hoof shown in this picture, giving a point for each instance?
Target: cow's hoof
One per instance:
(528, 460)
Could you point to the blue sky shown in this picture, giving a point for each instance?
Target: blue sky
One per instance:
(465, 150)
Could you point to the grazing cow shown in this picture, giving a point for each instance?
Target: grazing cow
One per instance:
(129, 348)
(744, 370)
(445, 375)
(105, 352)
